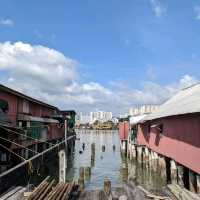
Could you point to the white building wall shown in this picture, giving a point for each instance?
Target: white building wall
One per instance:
(143, 109)
(100, 116)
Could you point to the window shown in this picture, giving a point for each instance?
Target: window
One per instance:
(4, 105)
(25, 106)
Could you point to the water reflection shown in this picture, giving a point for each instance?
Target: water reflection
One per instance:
(106, 160)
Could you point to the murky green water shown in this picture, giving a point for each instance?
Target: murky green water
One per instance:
(111, 163)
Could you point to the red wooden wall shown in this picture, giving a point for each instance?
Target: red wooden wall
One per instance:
(123, 130)
(13, 105)
(36, 110)
(55, 132)
(180, 139)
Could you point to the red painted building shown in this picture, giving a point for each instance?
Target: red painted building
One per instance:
(123, 130)
(174, 130)
(34, 116)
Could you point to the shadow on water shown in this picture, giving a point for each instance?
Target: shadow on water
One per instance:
(108, 161)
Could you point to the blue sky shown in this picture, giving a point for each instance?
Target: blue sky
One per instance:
(129, 42)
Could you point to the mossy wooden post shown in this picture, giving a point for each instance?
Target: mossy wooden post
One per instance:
(124, 171)
(81, 184)
(198, 183)
(81, 181)
(174, 172)
(87, 172)
(92, 154)
(81, 172)
(107, 186)
(103, 148)
(180, 175)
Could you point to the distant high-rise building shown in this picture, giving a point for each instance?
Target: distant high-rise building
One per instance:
(102, 116)
(82, 118)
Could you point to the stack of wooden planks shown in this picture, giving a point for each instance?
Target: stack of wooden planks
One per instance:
(49, 190)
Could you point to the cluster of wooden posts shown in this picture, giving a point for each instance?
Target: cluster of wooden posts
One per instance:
(171, 171)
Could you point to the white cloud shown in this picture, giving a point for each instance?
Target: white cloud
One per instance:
(7, 22)
(158, 9)
(48, 75)
(197, 11)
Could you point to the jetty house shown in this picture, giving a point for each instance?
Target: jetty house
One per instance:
(27, 126)
(172, 134)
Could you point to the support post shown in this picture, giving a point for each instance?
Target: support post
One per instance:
(180, 175)
(198, 183)
(65, 132)
(174, 172)
(193, 181)
(139, 154)
(62, 166)
(162, 165)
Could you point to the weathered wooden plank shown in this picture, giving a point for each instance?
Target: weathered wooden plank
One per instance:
(47, 190)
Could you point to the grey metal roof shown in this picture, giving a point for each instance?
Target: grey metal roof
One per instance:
(186, 101)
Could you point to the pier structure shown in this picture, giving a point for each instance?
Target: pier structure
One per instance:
(169, 138)
(31, 135)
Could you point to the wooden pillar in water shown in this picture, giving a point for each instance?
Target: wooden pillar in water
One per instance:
(92, 154)
(193, 179)
(103, 148)
(139, 154)
(174, 172)
(87, 172)
(180, 175)
(124, 171)
(81, 180)
(198, 183)
(107, 186)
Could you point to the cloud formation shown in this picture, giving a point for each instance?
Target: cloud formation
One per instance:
(7, 22)
(158, 9)
(48, 75)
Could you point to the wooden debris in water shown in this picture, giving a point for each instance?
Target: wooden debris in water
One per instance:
(182, 193)
(49, 190)
(152, 196)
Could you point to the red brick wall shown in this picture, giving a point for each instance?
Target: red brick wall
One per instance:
(180, 139)
(55, 132)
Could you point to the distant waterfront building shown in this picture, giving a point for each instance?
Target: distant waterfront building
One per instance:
(115, 120)
(102, 116)
(145, 109)
(82, 118)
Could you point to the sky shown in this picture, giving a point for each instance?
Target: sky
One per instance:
(99, 55)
